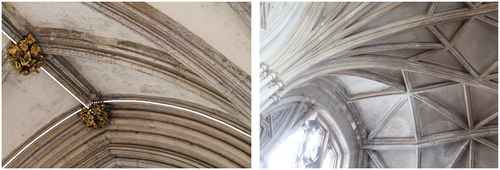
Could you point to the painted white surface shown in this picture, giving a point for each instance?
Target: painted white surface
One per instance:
(115, 79)
(78, 17)
(226, 32)
(28, 103)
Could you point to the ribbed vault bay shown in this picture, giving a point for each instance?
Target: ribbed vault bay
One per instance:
(184, 103)
(34, 96)
(236, 34)
(71, 16)
(418, 82)
(140, 135)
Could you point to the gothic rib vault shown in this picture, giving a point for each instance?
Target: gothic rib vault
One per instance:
(180, 92)
(389, 84)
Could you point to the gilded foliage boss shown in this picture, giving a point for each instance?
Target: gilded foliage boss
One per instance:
(26, 56)
(97, 116)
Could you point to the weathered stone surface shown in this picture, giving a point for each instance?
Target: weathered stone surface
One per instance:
(98, 55)
(407, 75)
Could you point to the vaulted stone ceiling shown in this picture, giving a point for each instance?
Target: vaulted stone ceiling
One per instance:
(398, 84)
(192, 80)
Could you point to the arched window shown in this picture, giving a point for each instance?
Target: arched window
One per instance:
(330, 158)
(305, 148)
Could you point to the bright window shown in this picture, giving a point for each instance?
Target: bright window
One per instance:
(302, 149)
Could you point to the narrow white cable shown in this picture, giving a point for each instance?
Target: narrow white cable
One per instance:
(29, 144)
(33, 141)
(9, 37)
(123, 101)
(177, 107)
(64, 87)
(51, 76)
(107, 101)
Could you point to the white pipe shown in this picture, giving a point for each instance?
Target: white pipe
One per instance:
(124, 101)
(9, 37)
(33, 141)
(265, 81)
(64, 87)
(108, 101)
(177, 107)
(52, 76)
(268, 92)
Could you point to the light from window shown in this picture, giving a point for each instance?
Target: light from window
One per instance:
(328, 159)
(300, 150)
(284, 156)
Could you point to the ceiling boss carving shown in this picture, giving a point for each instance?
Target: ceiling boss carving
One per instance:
(97, 116)
(397, 85)
(179, 97)
(26, 56)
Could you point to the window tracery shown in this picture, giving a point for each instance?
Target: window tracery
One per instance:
(309, 150)
(330, 158)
